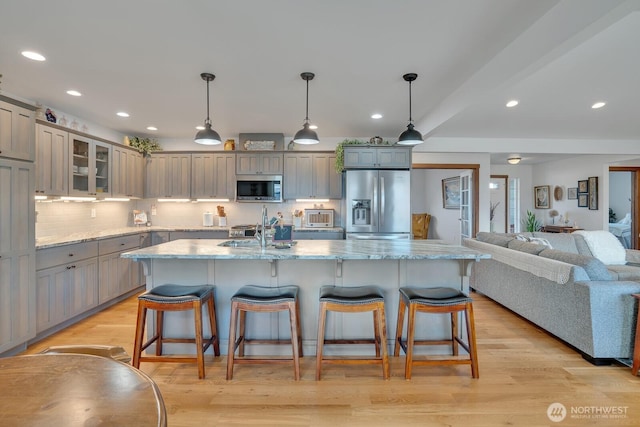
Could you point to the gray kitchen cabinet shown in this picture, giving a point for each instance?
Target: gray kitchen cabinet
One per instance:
(213, 175)
(168, 175)
(90, 163)
(17, 137)
(377, 157)
(17, 253)
(52, 161)
(66, 283)
(158, 237)
(118, 275)
(262, 163)
(318, 235)
(311, 175)
(127, 172)
(212, 234)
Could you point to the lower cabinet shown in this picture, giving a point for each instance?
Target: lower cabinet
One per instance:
(118, 275)
(318, 235)
(213, 234)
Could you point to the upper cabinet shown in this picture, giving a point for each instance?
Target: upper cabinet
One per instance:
(266, 163)
(17, 136)
(377, 157)
(90, 163)
(213, 175)
(127, 173)
(310, 175)
(168, 175)
(52, 161)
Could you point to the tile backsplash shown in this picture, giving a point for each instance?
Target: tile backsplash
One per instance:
(57, 218)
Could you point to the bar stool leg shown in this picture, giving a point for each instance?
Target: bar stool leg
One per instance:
(295, 342)
(213, 322)
(376, 331)
(197, 316)
(232, 339)
(382, 329)
(471, 337)
(402, 306)
(411, 335)
(140, 324)
(242, 336)
(321, 325)
(299, 328)
(454, 333)
(159, 331)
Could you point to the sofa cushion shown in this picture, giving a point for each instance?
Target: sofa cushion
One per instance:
(605, 246)
(625, 272)
(495, 238)
(581, 244)
(594, 268)
(526, 247)
(560, 241)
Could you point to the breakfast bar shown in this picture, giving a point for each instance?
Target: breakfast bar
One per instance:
(309, 264)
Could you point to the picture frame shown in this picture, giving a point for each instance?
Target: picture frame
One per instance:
(451, 193)
(583, 186)
(541, 197)
(583, 200)
(572, 193)
(593, 193)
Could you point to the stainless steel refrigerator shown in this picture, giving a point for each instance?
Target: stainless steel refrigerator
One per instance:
(378, 204)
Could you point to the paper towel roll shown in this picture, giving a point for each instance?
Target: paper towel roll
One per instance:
(207, 219)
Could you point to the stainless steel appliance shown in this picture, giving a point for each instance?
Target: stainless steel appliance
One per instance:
(259, 188)
(242, 231)
(378, 204)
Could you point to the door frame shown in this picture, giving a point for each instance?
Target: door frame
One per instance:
(506, 199)
(635, 198)
(476, 185)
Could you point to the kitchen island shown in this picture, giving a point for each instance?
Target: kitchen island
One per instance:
(308, 264)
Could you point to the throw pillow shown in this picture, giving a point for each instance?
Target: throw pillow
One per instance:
(540, 241)
(605, 246)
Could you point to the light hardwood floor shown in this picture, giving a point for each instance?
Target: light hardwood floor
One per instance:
(522, 371)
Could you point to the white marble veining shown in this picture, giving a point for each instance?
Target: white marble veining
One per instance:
(310, 249)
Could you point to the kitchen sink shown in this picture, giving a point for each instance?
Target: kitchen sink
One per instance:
(239, 243)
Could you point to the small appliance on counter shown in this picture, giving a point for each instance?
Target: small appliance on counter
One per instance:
(207, 219)
(318, 218)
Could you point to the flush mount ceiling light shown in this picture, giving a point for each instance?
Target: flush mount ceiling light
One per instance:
(410, 136)
(514, 160)
(207, 136)
(74, 93)
(306, 135)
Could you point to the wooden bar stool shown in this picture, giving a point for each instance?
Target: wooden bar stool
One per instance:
(436, 300)
(263, 300)
(353, 300)
(176, 298)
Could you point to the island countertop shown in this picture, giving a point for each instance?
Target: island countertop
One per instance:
(310, 249)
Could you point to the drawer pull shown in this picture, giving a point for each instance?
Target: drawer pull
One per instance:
(70, 254)
(69, 267)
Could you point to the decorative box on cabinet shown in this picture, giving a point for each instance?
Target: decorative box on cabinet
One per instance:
(52, 161)
(378, 157)
(66, 283)
(17, 135)
(267, 163)
(311, 175)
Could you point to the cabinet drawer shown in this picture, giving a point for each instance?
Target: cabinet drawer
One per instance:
(118, 244)
(46, 258)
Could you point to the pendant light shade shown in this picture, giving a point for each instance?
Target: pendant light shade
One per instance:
(305, 135)
(208, 136)
(410, 136)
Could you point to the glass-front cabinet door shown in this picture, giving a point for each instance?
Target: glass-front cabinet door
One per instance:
(90, 167)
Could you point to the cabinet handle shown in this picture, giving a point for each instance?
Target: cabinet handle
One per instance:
(69, 267)
(121, 244)
(70, 254)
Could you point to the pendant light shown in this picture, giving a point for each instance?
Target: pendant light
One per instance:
(410, 136)
(207, 136)
(305, 135)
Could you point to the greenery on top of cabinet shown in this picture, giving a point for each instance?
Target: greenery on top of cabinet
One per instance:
(144, 145)
(340, 152)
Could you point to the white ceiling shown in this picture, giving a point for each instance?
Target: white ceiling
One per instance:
(145, 57)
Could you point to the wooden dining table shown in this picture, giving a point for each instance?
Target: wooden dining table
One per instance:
(77, 390)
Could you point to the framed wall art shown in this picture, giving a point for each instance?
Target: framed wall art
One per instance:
(451, 193)
(541, 197)
(572, 193)
(583, 186)
(583, 200)
(593, 193)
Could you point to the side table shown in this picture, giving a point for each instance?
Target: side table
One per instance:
(636, 347)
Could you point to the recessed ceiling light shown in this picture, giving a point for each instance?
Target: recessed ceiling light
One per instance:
(313, 126)
(152, 128)
(200, 127)
(74, 93)
(598, 105)
(512, 103)
(376, 116)
(33, 55)
(122, 114)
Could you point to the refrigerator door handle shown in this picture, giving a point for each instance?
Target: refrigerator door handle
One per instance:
(374, 215)
(382, 201)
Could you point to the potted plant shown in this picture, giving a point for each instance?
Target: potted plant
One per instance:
(531, 223)
(340, 152)
(144, 145)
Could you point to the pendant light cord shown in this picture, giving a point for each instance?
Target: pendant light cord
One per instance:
(410, 117)
(208, 119)
(306, 119)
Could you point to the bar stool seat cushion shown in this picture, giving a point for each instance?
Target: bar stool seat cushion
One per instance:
(176, 294)
(351, 295)
(265, 295)
(439, 296)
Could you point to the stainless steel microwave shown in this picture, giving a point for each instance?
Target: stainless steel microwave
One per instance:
(259, 188)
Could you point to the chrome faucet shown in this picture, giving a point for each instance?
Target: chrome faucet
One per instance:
(261, 233)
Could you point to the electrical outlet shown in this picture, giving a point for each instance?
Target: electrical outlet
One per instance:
(153, 210)
(93, 212)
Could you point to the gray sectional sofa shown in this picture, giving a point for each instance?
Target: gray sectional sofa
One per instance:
(564, 289)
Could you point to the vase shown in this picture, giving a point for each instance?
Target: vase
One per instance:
(491, 226)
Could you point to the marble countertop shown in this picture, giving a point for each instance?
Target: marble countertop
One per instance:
(309, 249)
(68, 239)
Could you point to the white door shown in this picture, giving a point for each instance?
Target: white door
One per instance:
(466, 204)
